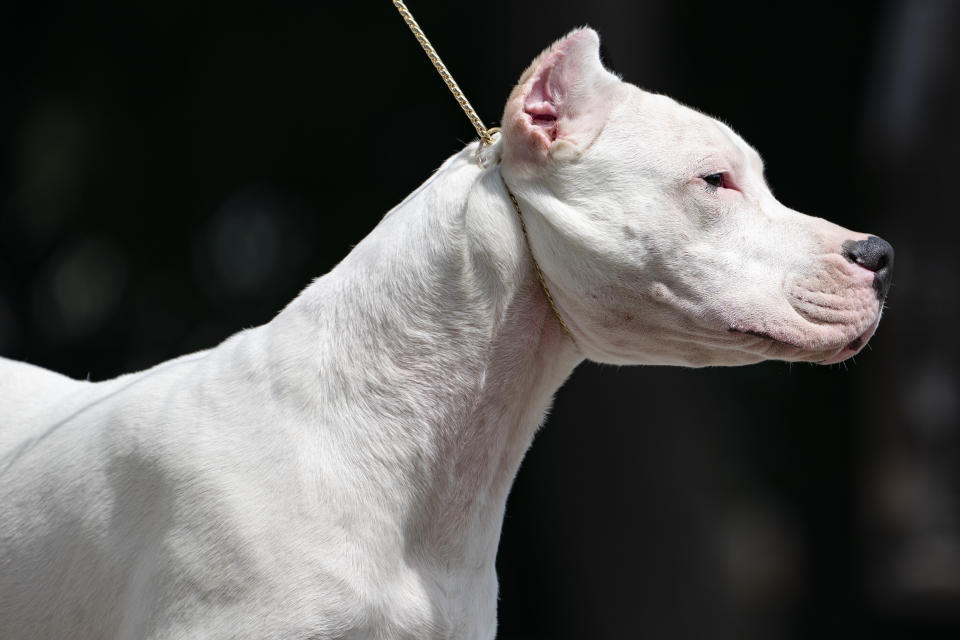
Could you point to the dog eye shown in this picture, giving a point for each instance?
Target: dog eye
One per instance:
(715, 180)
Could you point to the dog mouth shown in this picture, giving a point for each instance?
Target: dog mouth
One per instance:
(787, 349)
(794, 351)
(855, 345)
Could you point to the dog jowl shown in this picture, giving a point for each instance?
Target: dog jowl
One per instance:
(342, 471)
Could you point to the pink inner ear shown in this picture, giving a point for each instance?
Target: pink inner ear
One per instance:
(541, 106)
(563, 95)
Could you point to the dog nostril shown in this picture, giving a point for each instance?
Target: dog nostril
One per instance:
(874, 254)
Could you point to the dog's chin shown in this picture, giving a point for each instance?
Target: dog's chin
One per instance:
(807, 347)
(855, 346)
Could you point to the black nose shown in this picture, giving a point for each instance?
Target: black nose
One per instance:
(875, 254)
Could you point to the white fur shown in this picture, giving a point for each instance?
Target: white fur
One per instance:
(342, 471)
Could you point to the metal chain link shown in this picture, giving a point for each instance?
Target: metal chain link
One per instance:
(486, 137)
(536, 265)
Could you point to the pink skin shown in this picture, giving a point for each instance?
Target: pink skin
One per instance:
(839, 299)
(542, 112)
(540, 107)
(854, 347)
(858, 343)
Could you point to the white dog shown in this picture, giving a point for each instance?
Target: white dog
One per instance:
(342, 471)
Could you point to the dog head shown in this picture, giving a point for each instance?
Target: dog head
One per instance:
(658, 236)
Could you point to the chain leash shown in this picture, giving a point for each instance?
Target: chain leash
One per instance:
(486, 138)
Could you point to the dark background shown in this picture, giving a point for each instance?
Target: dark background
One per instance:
(171, 172)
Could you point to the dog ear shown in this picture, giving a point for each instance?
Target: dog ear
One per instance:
(561, 102)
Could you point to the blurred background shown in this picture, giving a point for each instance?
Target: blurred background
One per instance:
(171, 172)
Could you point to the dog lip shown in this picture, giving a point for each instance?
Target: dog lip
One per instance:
(799, 349)
(764, 335)
(856, 343)
(854, 346)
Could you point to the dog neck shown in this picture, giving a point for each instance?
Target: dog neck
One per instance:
(436, 356)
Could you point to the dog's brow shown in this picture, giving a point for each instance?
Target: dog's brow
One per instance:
(749, 156)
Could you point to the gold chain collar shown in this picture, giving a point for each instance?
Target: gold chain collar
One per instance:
(486, 138)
